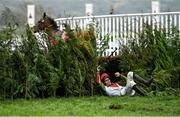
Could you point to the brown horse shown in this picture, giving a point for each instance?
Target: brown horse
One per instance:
(46, 24)
(49, 26)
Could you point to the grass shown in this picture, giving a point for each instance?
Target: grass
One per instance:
(92, 106)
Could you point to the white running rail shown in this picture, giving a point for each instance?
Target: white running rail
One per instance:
(123, 27)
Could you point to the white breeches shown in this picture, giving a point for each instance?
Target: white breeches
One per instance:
(130, 80)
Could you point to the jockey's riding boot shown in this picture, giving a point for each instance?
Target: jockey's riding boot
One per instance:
(136, 89)
(146, 82)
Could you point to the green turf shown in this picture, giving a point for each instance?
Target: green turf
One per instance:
(92, 106)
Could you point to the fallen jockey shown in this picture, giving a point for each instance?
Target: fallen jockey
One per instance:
(114, 89)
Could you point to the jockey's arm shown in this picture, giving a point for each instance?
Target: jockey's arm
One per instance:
(98, 79)
(117, 74)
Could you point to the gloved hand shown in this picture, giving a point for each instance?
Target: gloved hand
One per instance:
(117, 74)
(98, 68)
(98, 79)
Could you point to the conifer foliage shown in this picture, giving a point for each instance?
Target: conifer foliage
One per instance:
(155, 53)
(29, 71)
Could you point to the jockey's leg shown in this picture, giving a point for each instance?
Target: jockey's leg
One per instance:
(131, 84)
(141, 80)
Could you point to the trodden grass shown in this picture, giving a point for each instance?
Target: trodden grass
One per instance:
(93, 106)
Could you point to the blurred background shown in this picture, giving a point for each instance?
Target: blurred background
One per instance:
(16, 10)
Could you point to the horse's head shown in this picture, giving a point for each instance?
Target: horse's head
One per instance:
(49, 26)
(45, 24)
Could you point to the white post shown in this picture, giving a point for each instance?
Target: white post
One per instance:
(89, 12)
(155, 9)
(155, 6)
(31, 15)
(89, 9)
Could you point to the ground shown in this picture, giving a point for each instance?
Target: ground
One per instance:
(92, 106)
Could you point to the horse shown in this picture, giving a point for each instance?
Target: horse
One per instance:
(49, 26)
